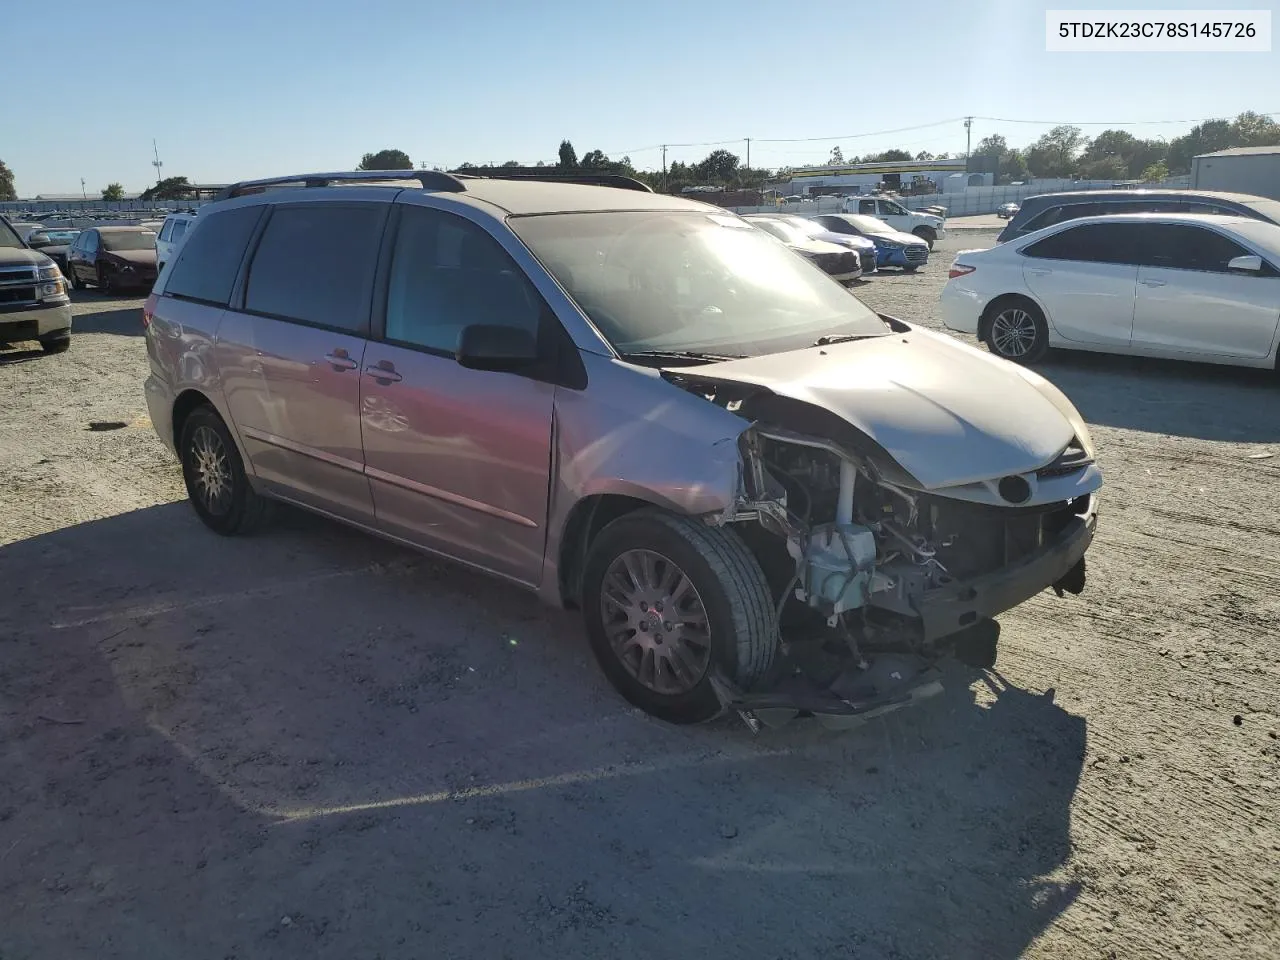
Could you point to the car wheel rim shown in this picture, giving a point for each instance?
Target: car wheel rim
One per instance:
(212, 471)
(1013, 332)
(655, 622)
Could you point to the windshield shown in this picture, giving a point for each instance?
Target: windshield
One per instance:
(806, 227)
(139, 240)
(662, 280)
(1266, 208)
(8, 238)
(867, 224)
(778, 228)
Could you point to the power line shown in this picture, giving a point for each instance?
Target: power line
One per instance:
(1110, 123)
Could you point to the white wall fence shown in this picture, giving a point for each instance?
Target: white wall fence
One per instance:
(973, 201)
(22, 208)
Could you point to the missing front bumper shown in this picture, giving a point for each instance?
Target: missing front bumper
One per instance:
(890, 682)
(953, 608)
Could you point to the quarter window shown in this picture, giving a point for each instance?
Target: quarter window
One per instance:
(315, 264)
(446, 274)
(206, 268)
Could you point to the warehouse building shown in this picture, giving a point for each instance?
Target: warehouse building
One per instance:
(1254, 170)
(900, 176)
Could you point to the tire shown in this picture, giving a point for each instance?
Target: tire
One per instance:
(232, 507)
(926, 234)
(910, 269)
(60, 343)
(74, 278)
(706, 576)
(1014, 329)
(104, 282)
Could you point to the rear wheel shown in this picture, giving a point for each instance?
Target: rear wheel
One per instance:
(1015, 329)
(214, 473)
(668, 601)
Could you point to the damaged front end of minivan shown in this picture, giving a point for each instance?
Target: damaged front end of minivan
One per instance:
(880, 572)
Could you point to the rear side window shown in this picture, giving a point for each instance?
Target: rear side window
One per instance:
(166, 230)
(315, 264)
(1093, 243)
(206, 268)
(179, 230)
(867, 206)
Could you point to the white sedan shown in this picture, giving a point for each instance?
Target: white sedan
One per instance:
(1182, 286)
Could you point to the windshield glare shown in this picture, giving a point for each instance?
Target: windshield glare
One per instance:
(661, 280)
(868, 224)
(140, 240)
(8, 236)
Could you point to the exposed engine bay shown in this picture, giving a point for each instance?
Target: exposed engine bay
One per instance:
(877, 578)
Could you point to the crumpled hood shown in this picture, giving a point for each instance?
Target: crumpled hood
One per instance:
(946, 412)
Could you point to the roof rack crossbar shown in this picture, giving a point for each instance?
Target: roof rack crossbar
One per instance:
(430, 180)
(590, 179)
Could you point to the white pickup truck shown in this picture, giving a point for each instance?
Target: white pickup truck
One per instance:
(927, 226)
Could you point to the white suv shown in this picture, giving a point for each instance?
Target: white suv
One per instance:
(170, 238)
(926, 226)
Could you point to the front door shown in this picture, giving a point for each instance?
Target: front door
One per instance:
(1190, 303)
(1080, 276)
(458, 459)
(291, 359)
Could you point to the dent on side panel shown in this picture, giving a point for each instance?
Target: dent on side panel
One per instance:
(633, 434)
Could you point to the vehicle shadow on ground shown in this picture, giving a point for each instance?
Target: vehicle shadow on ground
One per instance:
(205, 736)
(122, 321)
(1201, 401)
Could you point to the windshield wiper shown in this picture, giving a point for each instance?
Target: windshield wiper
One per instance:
(678, 355)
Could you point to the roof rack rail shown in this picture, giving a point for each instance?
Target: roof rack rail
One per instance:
(590, 179)
(430, 180)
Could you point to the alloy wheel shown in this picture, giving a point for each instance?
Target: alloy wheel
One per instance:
(1013, 332)
(655, 622)
(212, 471)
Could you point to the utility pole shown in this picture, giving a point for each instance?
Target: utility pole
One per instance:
(748, 153)
(664, 166)
(968, 134)
(156, 162)
(82, 190)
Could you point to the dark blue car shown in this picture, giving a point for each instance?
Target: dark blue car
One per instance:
(893, 247)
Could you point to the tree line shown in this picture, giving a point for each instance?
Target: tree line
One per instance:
(1063, 152)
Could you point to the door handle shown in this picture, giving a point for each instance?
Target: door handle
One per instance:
(1152, 283)
(340, 361)
(384, 372)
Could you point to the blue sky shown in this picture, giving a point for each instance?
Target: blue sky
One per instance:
(248, 88)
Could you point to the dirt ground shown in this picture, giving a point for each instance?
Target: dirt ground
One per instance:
(313, 744)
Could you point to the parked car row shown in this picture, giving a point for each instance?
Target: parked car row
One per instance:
(1177, 275)
(847, 246)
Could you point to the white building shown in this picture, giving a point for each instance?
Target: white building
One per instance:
(899, 176)
(1254, 170)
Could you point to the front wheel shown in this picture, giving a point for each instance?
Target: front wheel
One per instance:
(73, 278)
(1017, 331)
(927, 235)
(56, 344)
(910, 269)
(214, 473)
(667, 602)
(104, 281)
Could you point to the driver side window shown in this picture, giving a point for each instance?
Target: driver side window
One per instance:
(448, 273)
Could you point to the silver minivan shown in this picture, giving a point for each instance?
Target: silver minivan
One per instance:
(763, 496)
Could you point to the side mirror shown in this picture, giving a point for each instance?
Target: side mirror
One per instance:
(1253, 264)
(485, 346)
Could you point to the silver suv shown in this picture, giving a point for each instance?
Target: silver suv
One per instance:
(763, 496)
